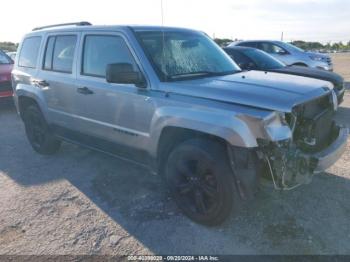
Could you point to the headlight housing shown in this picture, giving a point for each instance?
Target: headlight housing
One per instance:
(276, 127)
(316, 58)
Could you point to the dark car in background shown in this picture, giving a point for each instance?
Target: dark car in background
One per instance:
(6, 65)
(249, 58)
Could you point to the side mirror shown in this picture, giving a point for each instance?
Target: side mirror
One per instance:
(123, 73)
(282, 52)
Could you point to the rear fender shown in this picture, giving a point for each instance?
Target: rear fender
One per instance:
(32, 92)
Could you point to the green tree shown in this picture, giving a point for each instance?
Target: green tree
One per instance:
(222, 41)
(8, 46)
(308, 45)
(336, 46)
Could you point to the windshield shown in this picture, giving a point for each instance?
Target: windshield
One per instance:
(181, 55)
(294, 47)
(263, 60)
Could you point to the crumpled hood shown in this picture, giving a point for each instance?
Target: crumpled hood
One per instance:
(273, 91)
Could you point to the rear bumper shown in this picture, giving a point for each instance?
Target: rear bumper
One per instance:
(6, 89)
(331, 154)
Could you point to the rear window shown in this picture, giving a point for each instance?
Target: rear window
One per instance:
(59, 53)
(29, 53)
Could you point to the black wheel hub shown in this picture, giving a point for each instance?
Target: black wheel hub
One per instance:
(196, 186)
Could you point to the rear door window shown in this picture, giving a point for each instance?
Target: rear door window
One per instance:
(29, 52)
(271, 48)
(59, 54)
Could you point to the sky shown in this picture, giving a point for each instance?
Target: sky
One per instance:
(310, 20)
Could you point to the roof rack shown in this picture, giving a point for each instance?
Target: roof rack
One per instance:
(66, 24)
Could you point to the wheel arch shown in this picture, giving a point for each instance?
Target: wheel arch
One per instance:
(172, 136)
(246, 169)
(24, 102)
(224, 126)
(300, 64)
(25, 98)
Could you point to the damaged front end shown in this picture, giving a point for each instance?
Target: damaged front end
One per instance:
(316, 143)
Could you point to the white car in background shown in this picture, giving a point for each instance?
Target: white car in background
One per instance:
(289, 54)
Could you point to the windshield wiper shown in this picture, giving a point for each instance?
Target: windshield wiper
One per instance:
(200, 73)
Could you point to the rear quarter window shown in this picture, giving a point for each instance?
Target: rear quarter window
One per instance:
(29, 52)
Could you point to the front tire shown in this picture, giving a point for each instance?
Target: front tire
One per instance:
(38, 132)
(200, 180)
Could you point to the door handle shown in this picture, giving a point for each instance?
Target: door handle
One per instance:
(84, 90)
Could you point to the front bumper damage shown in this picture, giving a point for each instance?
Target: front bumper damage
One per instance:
(340, 94)
(330, 155)
(290, 167)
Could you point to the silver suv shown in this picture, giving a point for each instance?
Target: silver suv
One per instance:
(171, 100)
(290, 54)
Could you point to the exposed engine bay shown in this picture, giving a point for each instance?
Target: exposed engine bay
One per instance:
(291, 162)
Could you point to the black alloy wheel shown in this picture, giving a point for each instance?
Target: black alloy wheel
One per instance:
(200, 179)
(38, 132)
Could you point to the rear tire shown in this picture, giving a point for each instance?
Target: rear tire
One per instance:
(200, 179)
(38, 132)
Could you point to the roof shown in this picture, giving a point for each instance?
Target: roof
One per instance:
(261, 40)
(248, 41)
(86, 27)
(239, 48)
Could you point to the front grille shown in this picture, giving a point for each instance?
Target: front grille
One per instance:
(5, 86)
(314, 125)
(314, 107)
(329, 61)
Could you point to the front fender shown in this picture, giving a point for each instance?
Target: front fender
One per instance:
(225, 125)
